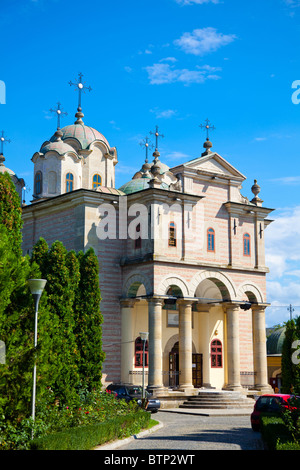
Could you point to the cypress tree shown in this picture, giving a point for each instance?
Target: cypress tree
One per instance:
(60, 295)
(88, 321)
(16, 309)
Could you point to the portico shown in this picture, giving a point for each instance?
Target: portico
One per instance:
(151, 312)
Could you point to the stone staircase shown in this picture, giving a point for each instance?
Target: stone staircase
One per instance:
(220, 399)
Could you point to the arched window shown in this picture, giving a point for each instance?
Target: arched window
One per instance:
(246, 244)
(210, 239)
(97, 181)
(52, 182)
(38, 181)
(69, 182)
(138, 240)
(216, 353)
(172, 234)
(138, 353)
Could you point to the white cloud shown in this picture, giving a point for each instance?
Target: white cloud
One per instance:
(282, 240)
(198, 2)
(165, 114)
(203, 41)
(168, 59)
(260, 139)
(165, 73)
(289, 180)
(175, 155)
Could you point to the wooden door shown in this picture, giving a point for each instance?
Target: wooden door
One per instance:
(197, 370)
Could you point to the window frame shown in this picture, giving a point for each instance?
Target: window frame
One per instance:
(138, 353)
(172, 234)
(246, 244)
(69, 180)
(216, 357)
(96, 184)
(38, 183)
(138, 240)
(211, 240)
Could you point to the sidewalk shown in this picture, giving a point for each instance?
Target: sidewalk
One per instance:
(210, 411)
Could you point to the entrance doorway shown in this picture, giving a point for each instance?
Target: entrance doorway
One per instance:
(174, 366)
(174, 370)
(197, 370)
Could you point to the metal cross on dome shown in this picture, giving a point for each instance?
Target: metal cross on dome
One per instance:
(81, 87)
(157, 135)
(147, 145)
(60, 113)
(3, 140)
(207, 126)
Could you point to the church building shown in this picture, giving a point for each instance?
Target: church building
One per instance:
(181, 257)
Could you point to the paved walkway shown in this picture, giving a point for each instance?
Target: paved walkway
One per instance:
(183, 430)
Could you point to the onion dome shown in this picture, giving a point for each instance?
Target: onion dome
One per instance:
(85, 135)
(275, 341)
(138, 184)
(57, 146)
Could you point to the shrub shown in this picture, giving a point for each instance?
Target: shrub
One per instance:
(88, 437)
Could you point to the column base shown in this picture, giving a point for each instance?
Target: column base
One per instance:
(233, 388)
(157, 390)
(263, 388)
(187, 389)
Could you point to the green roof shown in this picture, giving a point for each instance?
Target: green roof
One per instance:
(138, 184)
(275, 341)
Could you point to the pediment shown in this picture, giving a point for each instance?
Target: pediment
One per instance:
(215, 165)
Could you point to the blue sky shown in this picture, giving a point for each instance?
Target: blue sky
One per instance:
(171, 63)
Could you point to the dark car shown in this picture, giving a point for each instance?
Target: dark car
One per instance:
(270, 404)
(132, 392)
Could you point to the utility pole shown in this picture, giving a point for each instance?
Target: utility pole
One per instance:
(291, 310)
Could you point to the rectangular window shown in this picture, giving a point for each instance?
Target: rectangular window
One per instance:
(210, 239)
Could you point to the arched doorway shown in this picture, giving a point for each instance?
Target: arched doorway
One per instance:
(174, 368)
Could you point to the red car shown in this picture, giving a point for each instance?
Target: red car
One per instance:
(269, 404)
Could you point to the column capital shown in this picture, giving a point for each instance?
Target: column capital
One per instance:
(202, 308)
(128, 303)
(230, 306)
(155, 300)
(259, 307)
(185, 302)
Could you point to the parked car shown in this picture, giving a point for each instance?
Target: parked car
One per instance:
(270, 404)
(132, 392)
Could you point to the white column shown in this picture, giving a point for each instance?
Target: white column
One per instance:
(260, 349)
(155, 381)
(185, 345)
(127, 340)
(233, 347)
(203, 310)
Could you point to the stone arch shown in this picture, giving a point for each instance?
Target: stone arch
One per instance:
(171, 341)
(250, 292)
(134, 283)
(224, 284)
(168, 281)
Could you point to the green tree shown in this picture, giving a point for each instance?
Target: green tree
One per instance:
(10, 212)
(88, 321)
(290, 370)
(60, 294)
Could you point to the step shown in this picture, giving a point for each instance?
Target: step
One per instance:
(218, 400)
